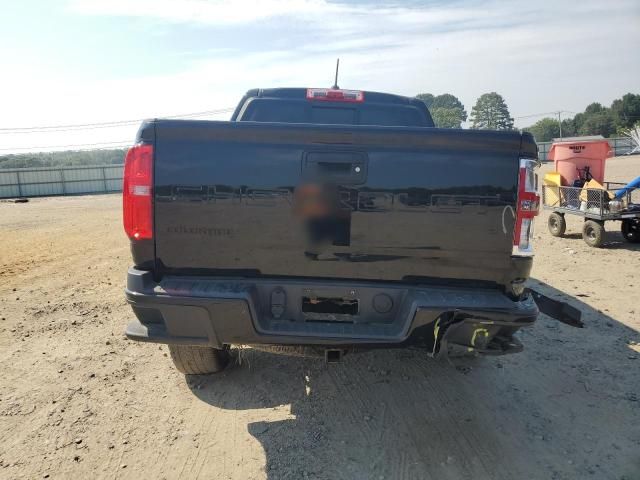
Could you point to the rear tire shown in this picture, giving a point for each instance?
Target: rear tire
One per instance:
(556, 224)
(593, 233)
(631, 230)
(192, 360)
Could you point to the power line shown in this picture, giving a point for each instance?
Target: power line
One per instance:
(78, 129)
(535, 115)
(81, 145)
(90, 126)
(123, 143)
(555, 112)
(120, 123)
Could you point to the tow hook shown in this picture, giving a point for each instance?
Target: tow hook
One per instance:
(560, 311)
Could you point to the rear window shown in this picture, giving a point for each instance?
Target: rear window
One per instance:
(270, 111)
(333, 115)
(391, 115)
(304, 111)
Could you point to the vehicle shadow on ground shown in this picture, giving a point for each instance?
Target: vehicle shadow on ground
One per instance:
(566, 407)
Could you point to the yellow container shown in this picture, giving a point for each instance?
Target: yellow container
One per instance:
(595, 197)
(551, 185)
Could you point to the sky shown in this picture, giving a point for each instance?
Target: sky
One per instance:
(91, 61)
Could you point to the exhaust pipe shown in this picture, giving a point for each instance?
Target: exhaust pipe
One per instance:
(333, 356)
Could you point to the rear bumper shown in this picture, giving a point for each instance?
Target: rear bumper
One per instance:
(213, 311)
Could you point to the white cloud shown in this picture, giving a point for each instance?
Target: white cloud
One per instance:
(206, 12)
(541, 57)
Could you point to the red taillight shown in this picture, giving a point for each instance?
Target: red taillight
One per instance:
(137, 192)
(528, 204)
(331, 95)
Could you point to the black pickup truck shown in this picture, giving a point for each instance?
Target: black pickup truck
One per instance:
(328, 220)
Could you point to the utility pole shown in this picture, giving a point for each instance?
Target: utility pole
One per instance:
(560, 123)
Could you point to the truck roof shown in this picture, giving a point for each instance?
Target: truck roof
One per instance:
(293, 105)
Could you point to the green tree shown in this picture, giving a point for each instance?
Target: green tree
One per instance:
(448, 117)
(597, 124)
(596, 120)
(577, 121)
(569, 128)
(491, 113)
(446, 100)
(594, 108)
(545, 130)
(626, 111)
(446, 110)
(427, 98)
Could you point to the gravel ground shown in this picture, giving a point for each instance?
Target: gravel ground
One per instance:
(77, 400)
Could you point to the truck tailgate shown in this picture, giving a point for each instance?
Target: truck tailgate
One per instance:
(348, 202)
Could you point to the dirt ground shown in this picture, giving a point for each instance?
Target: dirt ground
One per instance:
(78, 400)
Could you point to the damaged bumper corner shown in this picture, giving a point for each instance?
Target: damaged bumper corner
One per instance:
(560, 311)
(464, 334)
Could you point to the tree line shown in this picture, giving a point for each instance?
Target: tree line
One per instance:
(622, 115)
(63, 159)
(491, 112)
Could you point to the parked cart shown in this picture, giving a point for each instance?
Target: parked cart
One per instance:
(608, 202)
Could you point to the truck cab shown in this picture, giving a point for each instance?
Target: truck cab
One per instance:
(331, 107)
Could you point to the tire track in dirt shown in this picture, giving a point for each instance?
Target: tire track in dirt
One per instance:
(366, 386)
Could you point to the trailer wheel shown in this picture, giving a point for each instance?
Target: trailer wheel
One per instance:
(593, 233)
(631, 230)
(192, 360)
(557, 224)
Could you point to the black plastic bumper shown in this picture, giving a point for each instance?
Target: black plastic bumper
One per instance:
(213, 311)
